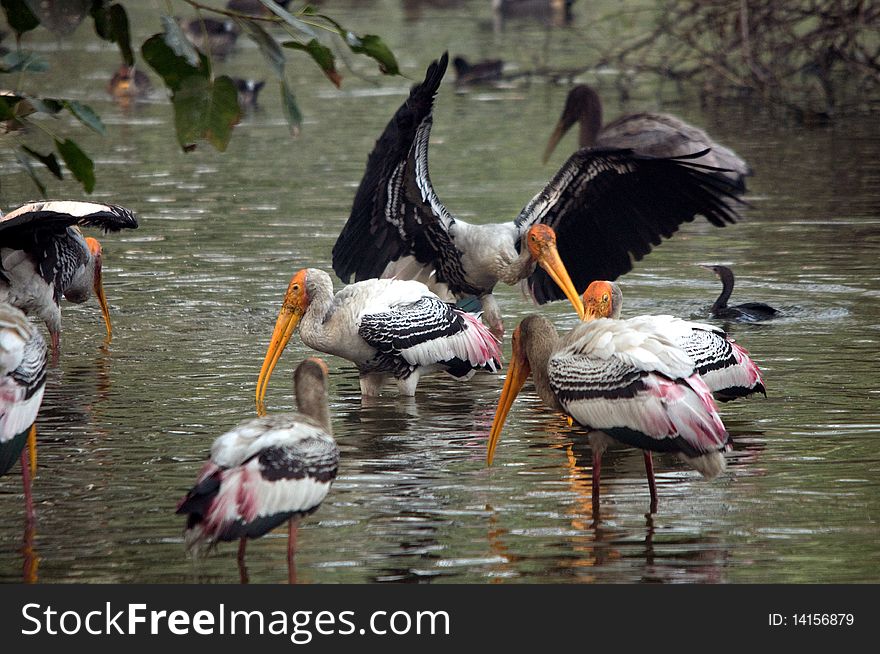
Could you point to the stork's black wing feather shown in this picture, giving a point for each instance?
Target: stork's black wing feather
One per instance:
(609, 207)
(57, 215)
(396, 212)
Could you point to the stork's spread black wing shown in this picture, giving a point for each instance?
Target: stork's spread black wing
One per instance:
(395, 212)
(609, 207)
(57, 215)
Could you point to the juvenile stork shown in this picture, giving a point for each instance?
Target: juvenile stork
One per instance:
(386, 327)
(265, 472)
(657, 135)
(724, 365)
(746, 312)
(623, 381)
(44, 256)
(607, 206)
(22, 381)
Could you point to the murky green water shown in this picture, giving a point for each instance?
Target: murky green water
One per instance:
(195, 291)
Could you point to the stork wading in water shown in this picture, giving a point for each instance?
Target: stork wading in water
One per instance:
(746, 312)
(724, 365)
(607, 207)
(623, 382)
(265, 472)
(657, 135)
(388, 328)
(44, 256)
(22, 382)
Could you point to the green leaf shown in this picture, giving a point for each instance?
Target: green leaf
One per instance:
(86, 115)
(177, 41)
(322, 55)
(46, 105)
(26, 164)
(111, 24)
(173, 68)
(269, 48)
(79, 164)
(25, 62)
(48, 160)
(373, 46)
(291, 110)
(7, 106)
(203, 109)
(19, 16)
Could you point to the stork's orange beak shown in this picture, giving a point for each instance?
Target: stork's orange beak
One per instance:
(32, 447)
(98, 283)
(541, 241)
(518, 370)
(295, 303)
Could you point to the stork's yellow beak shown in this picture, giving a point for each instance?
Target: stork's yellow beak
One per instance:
(98, 283)
(541, 241)
(518, 370)
(291, 313)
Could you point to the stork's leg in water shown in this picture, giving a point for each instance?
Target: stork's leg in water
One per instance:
(242, 568)
(492, 316)
(291, 549)
(652, 485)
(597, 473)
(56, 347)
(26, 482)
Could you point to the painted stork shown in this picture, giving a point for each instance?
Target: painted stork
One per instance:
(747, 312)
(265, 472)
(658, 135)
(624, 381)
(607, 207)
(724, 365)
(22, 381)
(44, 256)
(386, 327)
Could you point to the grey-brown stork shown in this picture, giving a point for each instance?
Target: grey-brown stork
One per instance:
(607, 207)
(22, 381)
(724, 365)
(658, 135)
(388, 328)
(623, 381)
(265, 472)
(745, 312)
(44, 256)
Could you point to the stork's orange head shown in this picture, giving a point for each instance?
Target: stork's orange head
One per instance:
(94, 246)
(540, 239)
(602, 299)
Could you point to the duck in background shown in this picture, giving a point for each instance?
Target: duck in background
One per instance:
(129, 84)
(747, 312)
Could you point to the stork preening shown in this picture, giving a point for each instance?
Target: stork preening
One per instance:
(657, 135)
(22, 381)
(746, 312)
(724, 365)
(623, 381)
(265, 472)
(44, 256)
(388, 328)
(607, 206)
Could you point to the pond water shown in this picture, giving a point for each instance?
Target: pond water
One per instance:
(195, 291)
